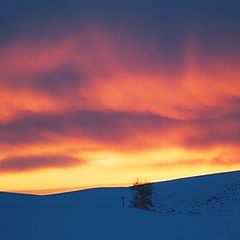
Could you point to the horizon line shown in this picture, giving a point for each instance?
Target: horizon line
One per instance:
(55, 191)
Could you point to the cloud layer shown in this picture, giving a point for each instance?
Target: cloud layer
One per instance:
(29, 163)
(120, 129)
(124, 85)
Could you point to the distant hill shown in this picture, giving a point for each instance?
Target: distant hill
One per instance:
(204, 207)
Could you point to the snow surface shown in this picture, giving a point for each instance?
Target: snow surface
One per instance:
(206, 207)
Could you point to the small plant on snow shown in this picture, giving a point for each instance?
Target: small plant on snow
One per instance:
(142, 198)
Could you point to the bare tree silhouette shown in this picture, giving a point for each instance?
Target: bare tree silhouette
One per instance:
(143, 195)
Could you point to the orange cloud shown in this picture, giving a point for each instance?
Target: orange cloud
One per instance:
(94, 70)
(96, 97)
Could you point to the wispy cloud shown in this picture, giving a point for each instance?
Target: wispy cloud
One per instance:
(17, 164)
(107, 78)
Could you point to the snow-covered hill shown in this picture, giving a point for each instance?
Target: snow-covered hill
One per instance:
(206, 207)
(217, 194)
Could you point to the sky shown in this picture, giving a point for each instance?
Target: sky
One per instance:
(99, 93)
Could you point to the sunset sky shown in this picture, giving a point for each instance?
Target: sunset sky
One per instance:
(99, 93)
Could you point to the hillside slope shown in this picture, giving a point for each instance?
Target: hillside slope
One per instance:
(206, 207)
(217, 194)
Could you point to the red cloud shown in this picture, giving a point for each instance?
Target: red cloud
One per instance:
(117, 129)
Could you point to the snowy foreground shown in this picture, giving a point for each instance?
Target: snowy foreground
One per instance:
(206, 207)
